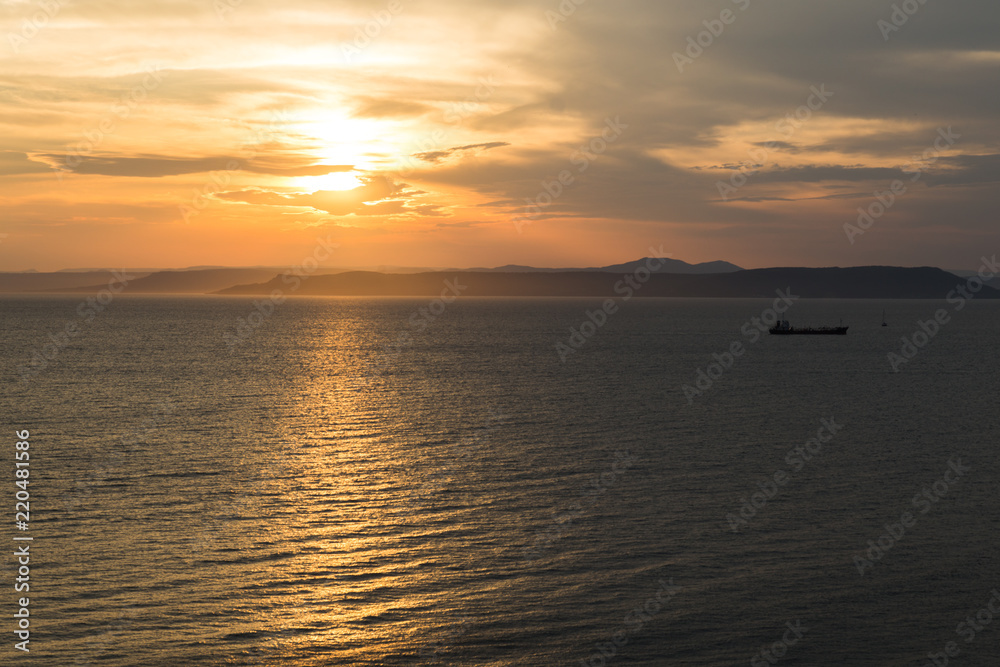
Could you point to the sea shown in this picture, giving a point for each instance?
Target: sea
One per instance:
(509, 481)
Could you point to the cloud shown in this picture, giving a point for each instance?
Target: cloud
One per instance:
(339, 202)
(155, 166)
(966, 170)
(439, 156)
(13, 162)
(370, 107)
(778, 145)
(550, 90)
(943, 170)
(826, 172)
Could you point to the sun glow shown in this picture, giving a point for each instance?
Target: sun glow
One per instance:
(338, 180)
(340, 139)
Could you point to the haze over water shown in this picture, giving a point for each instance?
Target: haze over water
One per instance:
(483, 503)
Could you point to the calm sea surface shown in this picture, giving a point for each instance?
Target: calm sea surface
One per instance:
(359, 483)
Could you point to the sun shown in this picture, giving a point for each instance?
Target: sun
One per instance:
(337, 138)
(338, 180)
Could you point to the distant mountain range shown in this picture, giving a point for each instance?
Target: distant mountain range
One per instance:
(866, 282)
(669, 266)
(674, 279)
(209, 279)
(193, 281)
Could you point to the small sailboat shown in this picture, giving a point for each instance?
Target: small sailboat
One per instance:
(884, 323)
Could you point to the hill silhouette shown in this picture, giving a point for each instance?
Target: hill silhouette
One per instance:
(674, 279)
(669, 266)
(867, 282)
(195, 281)
(209, 279)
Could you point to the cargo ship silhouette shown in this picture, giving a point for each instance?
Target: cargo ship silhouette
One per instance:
(782, 328)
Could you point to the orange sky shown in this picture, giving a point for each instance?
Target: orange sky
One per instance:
(438, 133)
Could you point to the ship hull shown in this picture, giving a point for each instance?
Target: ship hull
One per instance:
(826, 331)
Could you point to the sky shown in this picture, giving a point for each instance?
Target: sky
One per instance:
(439, 133)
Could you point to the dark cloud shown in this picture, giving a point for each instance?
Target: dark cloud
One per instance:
(13, 162)
(150, 166)
(438, 156)
(965, 170)
(932, 171)
(829, 172)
